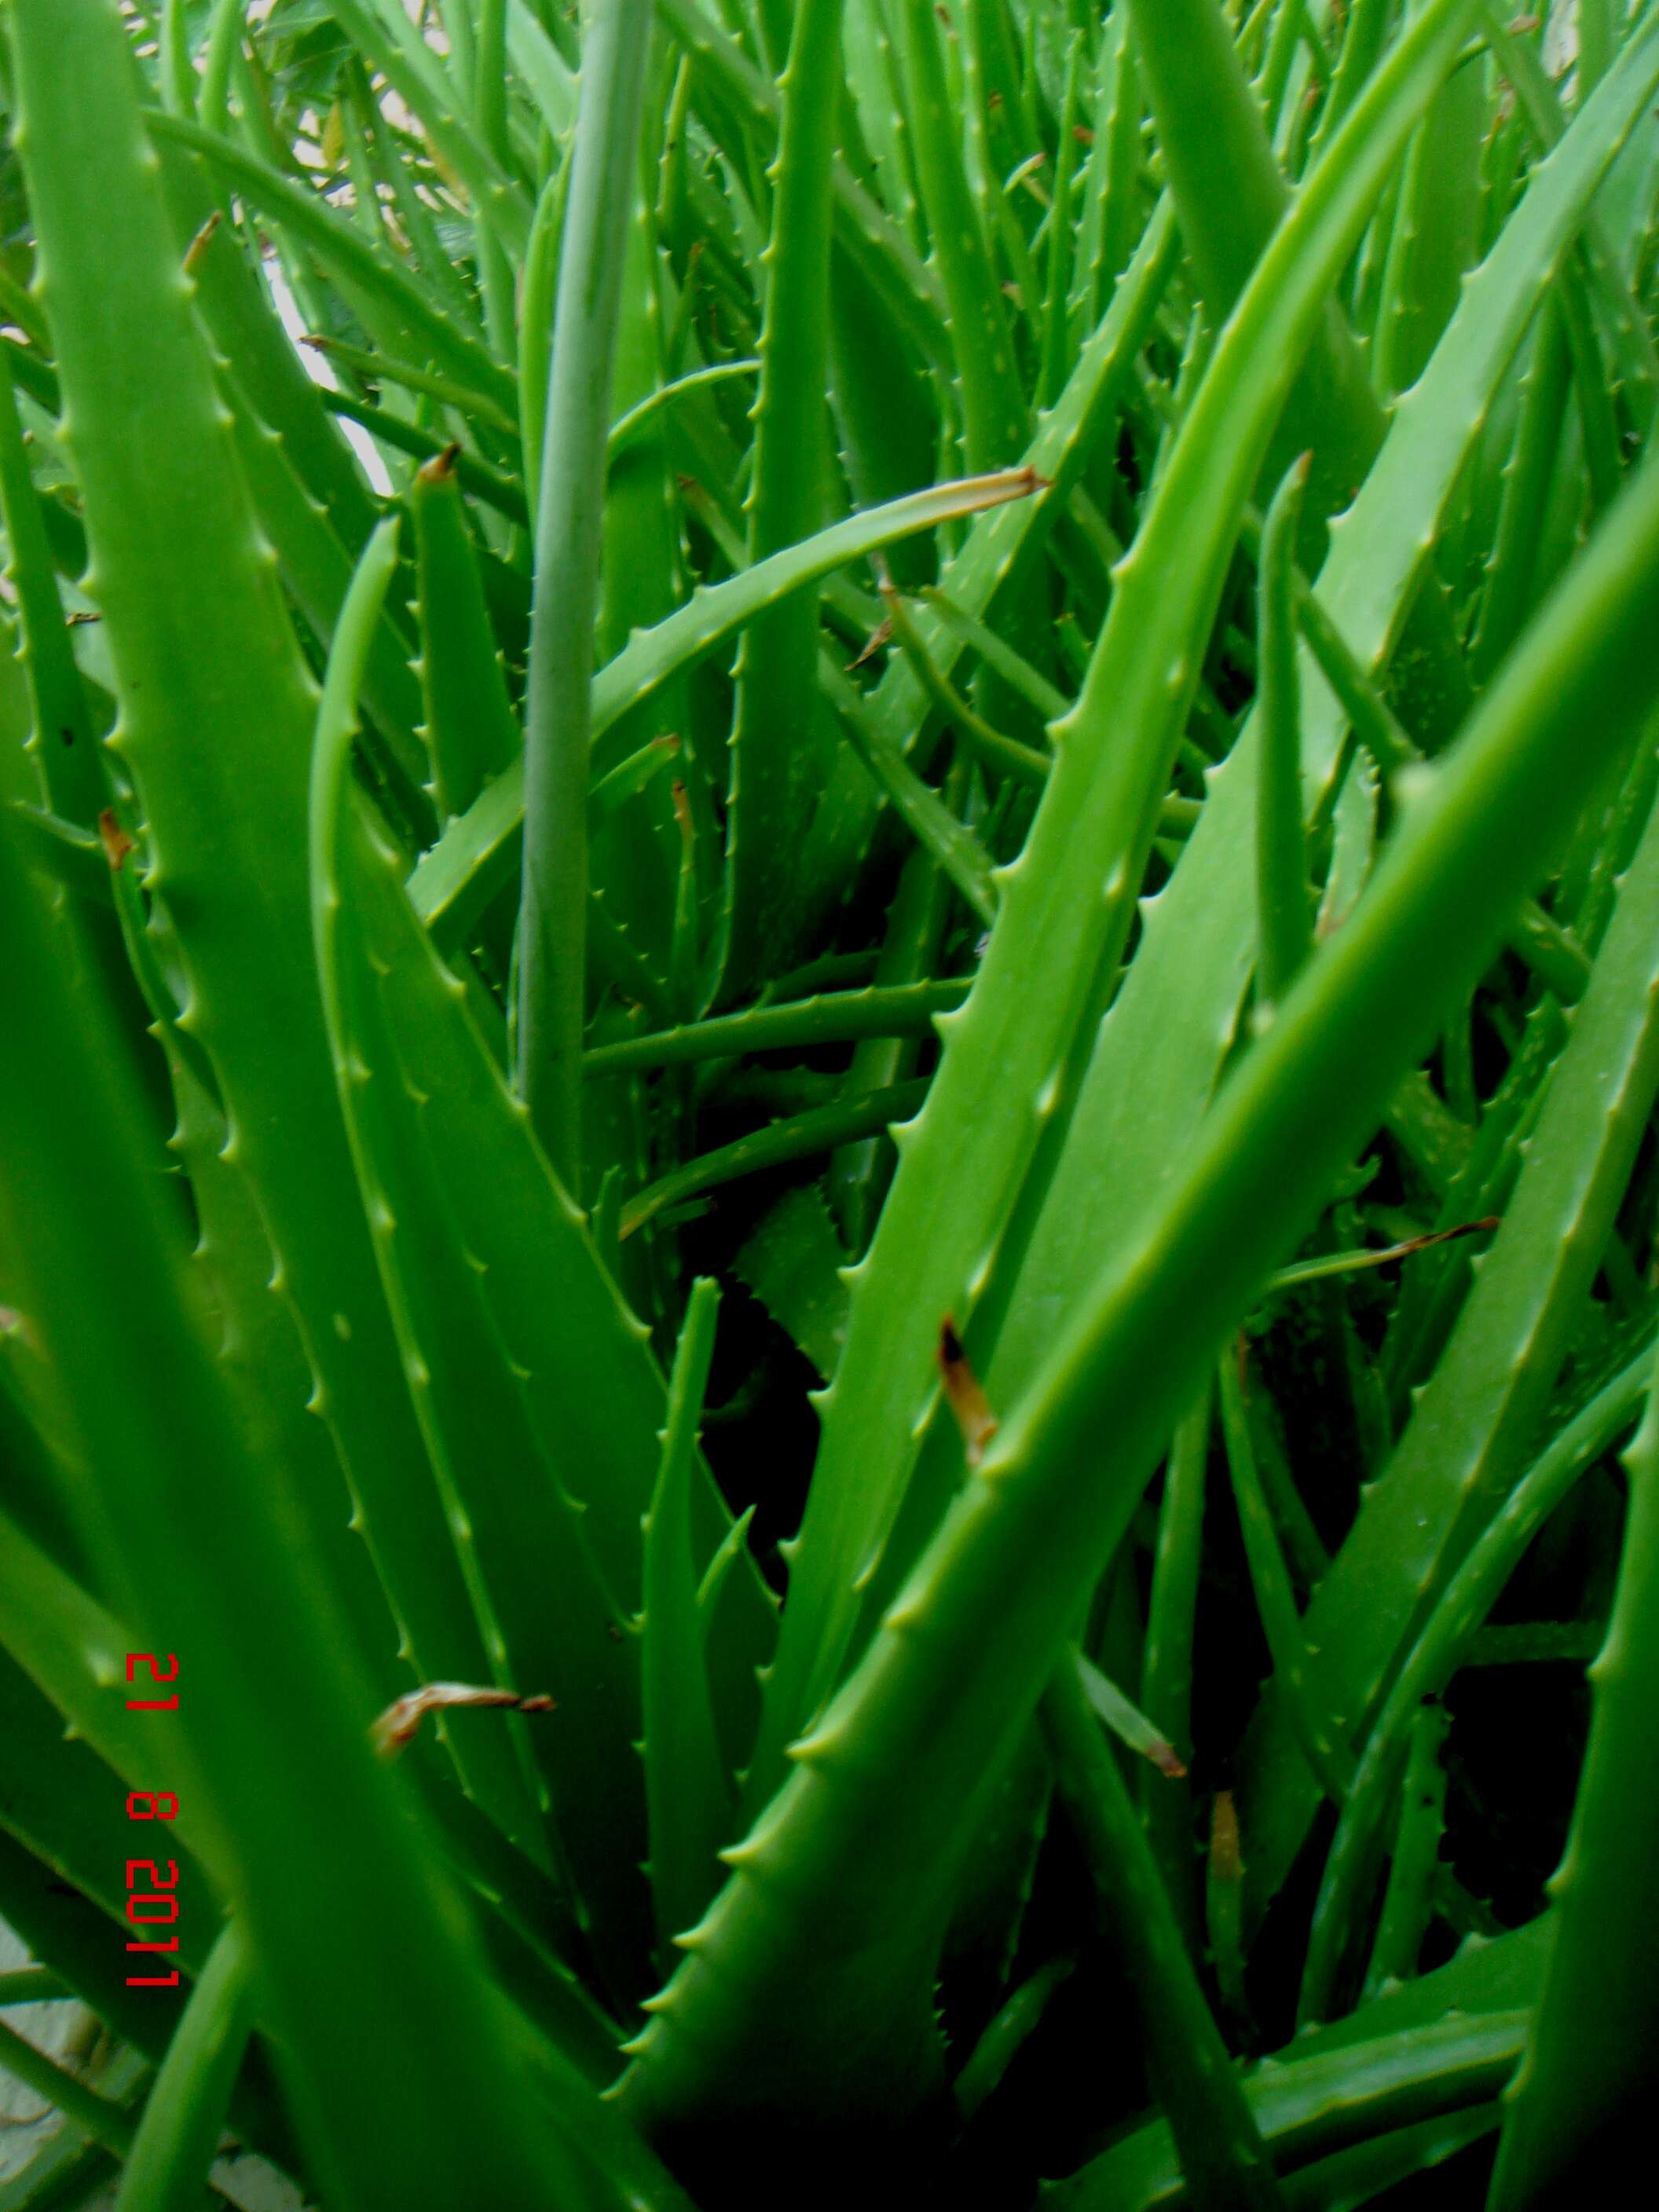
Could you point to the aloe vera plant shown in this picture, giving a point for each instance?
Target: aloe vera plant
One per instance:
(827, 1138)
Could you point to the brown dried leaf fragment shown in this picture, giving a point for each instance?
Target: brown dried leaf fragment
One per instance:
(1022, 482)
(442, 466)
(968, 1400)
(198, 245)
(880, 636)
(1438, 1236)
(116, 843)
(396, 1725)
(1352, 1263)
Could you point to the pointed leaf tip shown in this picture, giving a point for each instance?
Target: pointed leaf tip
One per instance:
(442, 467)
(968, 1400)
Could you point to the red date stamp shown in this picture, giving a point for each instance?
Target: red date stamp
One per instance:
(152, 1904)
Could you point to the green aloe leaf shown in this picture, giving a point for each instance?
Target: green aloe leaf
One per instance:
(388, 42)
(534, 1384)
(902, 1756)
(1011, 1057)
(201, 643)
(184, 2114)
(776, 749)
(687, 1788)
(1161, 1047)
(339, 246)
(161, 1442)
(1304, 2106)
(478, 853)
(552, 963)
(1469, 1427)
(1132, 971)
(470, 732)
(1575, 2108)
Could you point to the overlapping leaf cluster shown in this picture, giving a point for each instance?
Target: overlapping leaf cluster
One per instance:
(852, 953)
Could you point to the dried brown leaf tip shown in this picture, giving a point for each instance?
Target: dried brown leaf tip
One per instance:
(1031, 482)
(968, 1400)
(396, 1725)
(1167, 1760)
(880, 636)
(198, 245)
(114, 839)
(1445, 1237)
(1390, 1253)
(442, 466)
